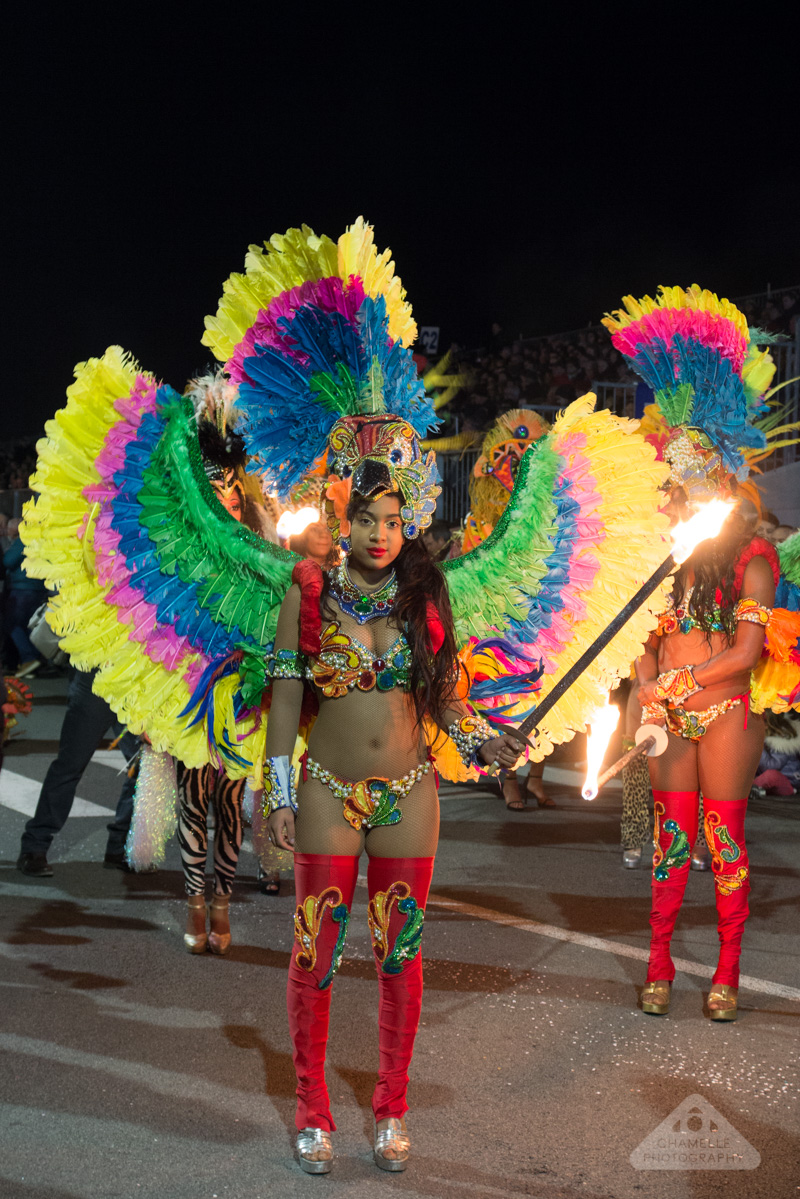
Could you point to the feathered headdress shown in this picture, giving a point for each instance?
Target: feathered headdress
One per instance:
(709, 378)
(316, 334)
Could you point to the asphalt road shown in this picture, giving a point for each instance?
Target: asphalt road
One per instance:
(133, 1069)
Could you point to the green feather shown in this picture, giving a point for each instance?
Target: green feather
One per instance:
(242, 578)
(789, 556)
(676, 406)
(481, 595)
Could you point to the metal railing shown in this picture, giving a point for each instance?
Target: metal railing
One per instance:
(12, 499)
(455, 468)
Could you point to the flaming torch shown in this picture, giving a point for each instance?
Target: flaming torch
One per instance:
(291, 524)
(686, 535)
(651, 740)
(600, 730)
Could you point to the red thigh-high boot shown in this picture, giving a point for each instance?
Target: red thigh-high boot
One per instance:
(724, 821)
(676, 820)
(324, 886)
(398, 892)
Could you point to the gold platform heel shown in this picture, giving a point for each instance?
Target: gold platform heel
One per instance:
(396, 1140)
(656, 996)
(219, 938)
(722, 993)
(195, 941)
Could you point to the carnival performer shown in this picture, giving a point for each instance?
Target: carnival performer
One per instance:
(709, 377)
(397, 659)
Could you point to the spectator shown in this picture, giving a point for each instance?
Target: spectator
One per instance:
(438, 541)
(85, 721)
(22, 597)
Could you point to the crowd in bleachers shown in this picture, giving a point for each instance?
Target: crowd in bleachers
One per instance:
(543, 373)
(17, 460)
(546, 372)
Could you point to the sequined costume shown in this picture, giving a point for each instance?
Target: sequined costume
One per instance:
(708, 677)
(211, 639)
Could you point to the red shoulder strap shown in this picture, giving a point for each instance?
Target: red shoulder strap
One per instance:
(308, 576)
(758, 548)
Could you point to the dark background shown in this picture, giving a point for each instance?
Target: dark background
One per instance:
(525, 167)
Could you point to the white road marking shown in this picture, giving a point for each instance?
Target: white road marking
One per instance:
(110, 757)
(616, 947)
(253, 1109)
(21, 795)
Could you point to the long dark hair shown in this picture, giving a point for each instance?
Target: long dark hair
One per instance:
(419, 582)
(713, 563)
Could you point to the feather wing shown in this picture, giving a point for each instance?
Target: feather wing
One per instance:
(159, 588)
(775, 683)
(581, 533)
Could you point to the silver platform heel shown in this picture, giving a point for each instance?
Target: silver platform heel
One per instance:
(393, 1137)
(310, 1144)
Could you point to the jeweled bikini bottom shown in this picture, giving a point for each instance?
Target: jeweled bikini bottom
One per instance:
(692, 725)
(366, 803)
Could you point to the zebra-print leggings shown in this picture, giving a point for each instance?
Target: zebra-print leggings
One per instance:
(198, 786)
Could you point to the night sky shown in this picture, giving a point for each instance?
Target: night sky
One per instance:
(529, 174)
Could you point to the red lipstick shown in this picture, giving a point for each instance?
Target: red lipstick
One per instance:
(376, 553)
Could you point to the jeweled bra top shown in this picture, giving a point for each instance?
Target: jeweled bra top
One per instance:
(680, 618)
(344, 663)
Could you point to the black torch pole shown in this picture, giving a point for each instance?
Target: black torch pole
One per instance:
(588, 656)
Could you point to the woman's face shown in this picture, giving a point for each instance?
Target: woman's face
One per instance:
(376, 534)
(233, 503)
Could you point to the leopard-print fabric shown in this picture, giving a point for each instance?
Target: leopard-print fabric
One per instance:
(636, 828)
(636, 825)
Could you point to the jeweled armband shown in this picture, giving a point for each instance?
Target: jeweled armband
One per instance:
(752, 611)
(675, 686)
(278, 785)
(286, 664)
(469, 734)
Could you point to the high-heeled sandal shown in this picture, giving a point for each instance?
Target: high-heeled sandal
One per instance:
(219, 937)
(396, 1140)
(195, 942)
(269, 881)
(314, 1150)
(723, 993)
(656, 997)
(511, 793)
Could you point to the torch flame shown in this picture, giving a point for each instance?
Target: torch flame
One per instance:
(292, 523)
(706, 522)
(602, 726)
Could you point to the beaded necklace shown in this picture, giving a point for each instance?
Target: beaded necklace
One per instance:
(681, 617)
(361, 605)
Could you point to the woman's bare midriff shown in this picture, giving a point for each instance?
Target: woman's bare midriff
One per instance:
(692, 649)
(367, 733)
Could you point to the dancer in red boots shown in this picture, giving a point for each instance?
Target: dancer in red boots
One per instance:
(203, 633)
(696, 679)
(375, 637)
(702, 674)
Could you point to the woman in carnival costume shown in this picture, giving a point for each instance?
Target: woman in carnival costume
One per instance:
(223, 457)
(398, 660)
(723, 651)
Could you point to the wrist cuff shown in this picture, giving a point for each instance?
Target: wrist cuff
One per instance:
(279, 790)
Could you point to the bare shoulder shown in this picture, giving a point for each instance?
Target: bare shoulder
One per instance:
(759, 581)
